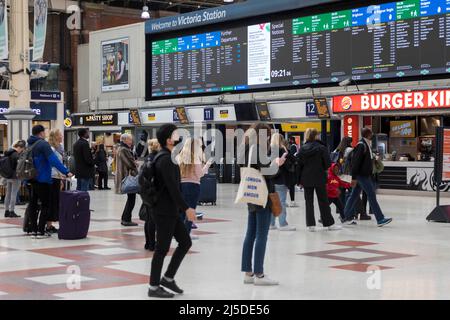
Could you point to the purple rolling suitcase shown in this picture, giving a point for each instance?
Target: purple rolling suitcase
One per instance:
(74, 215)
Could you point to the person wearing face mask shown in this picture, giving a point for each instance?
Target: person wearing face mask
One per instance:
(362, 169)
(166, 216)
(84, 161)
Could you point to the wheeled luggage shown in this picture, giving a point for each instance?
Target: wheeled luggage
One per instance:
(74, 215)
(208, 190)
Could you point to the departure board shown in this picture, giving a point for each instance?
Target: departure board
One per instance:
(385, 41)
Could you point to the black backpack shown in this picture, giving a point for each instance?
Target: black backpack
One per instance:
(347, 167)
(146, 180)
(6, 168)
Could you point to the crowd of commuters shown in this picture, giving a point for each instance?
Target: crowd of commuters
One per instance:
(175, 188)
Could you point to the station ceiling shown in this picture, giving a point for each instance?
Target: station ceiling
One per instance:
(179, 6)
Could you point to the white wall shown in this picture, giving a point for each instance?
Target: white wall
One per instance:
(126, 99)
(83, 78)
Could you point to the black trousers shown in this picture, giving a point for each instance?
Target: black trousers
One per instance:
(39, 191)
(324, 206)
(168, 227)
(102, 180)
(150, 232)
(292, 192)
(339, 206)
(129, 206)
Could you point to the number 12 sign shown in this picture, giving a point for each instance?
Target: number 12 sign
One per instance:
(208, 114)
(311, 109)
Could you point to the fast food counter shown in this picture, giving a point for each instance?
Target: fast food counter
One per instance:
(408, 175)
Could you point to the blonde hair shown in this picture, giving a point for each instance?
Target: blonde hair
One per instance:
(311, 135)
(153, 145)
(190, 155)
(277, 140)
(52, 138)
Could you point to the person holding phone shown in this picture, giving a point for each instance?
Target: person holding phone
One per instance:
(282, 180)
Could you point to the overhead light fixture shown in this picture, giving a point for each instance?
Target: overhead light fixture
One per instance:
(228, 1)
(145, 14)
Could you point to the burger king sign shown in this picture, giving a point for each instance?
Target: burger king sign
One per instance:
(393, 101)
(346, 103)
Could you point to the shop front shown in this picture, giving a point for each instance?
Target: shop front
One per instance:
(46, 115)
(104, 129)
(404, 126)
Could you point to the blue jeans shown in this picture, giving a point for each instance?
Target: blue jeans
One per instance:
(191, 193)
(83, 184)
(366, 184)
(257, 232)
(282, 191)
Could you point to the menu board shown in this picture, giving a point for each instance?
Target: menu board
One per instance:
(263, 111)
(382, 41)
(446, 156)
(323, 112)
(403, 129)
(181, 115)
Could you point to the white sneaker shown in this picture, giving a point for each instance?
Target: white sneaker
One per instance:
(312, 229)
(194, 237)
(293, 204)
(273, 228)
(265, 281)
(287, 228)
(334, 227)
(249, 279)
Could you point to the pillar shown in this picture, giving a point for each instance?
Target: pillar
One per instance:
(19, 115)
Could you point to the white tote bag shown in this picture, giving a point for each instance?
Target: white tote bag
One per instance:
(253, 187)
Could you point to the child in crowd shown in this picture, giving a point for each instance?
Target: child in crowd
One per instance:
(334, 184)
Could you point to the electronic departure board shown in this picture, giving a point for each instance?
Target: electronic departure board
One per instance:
(390, 40)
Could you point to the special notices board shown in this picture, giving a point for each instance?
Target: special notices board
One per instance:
(391, 40)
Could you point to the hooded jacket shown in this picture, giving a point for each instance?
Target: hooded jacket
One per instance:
(314, 161)
(334, 183)
(44, 159)
(13, 158)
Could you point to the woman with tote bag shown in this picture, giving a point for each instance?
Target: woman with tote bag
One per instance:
(259, 215)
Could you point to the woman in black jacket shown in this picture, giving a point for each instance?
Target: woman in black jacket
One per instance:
(258, 217)
(314, 161)
(283, 180)
(101, 161)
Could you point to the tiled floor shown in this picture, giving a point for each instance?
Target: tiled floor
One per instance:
(408, 259)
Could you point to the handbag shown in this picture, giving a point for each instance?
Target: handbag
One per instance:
(275, 204)
(253, 187)
(378, 166)
(130, 184)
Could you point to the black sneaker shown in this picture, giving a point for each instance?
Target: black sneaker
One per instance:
(129, 224)
(7, 213)
(365, 217)
(159, 293)
(12, 214)
(171, 285)
(43, 235)
(149, 247)
(52, 229)
(106, 188)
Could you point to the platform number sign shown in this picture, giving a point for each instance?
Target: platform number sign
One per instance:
(311, 109)
(208, 114)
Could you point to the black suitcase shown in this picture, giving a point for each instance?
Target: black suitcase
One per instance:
(26, 219)
(208, 190)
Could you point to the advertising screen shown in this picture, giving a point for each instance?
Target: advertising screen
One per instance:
(383, 41)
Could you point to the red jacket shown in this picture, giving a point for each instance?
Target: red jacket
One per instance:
(334, 183)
